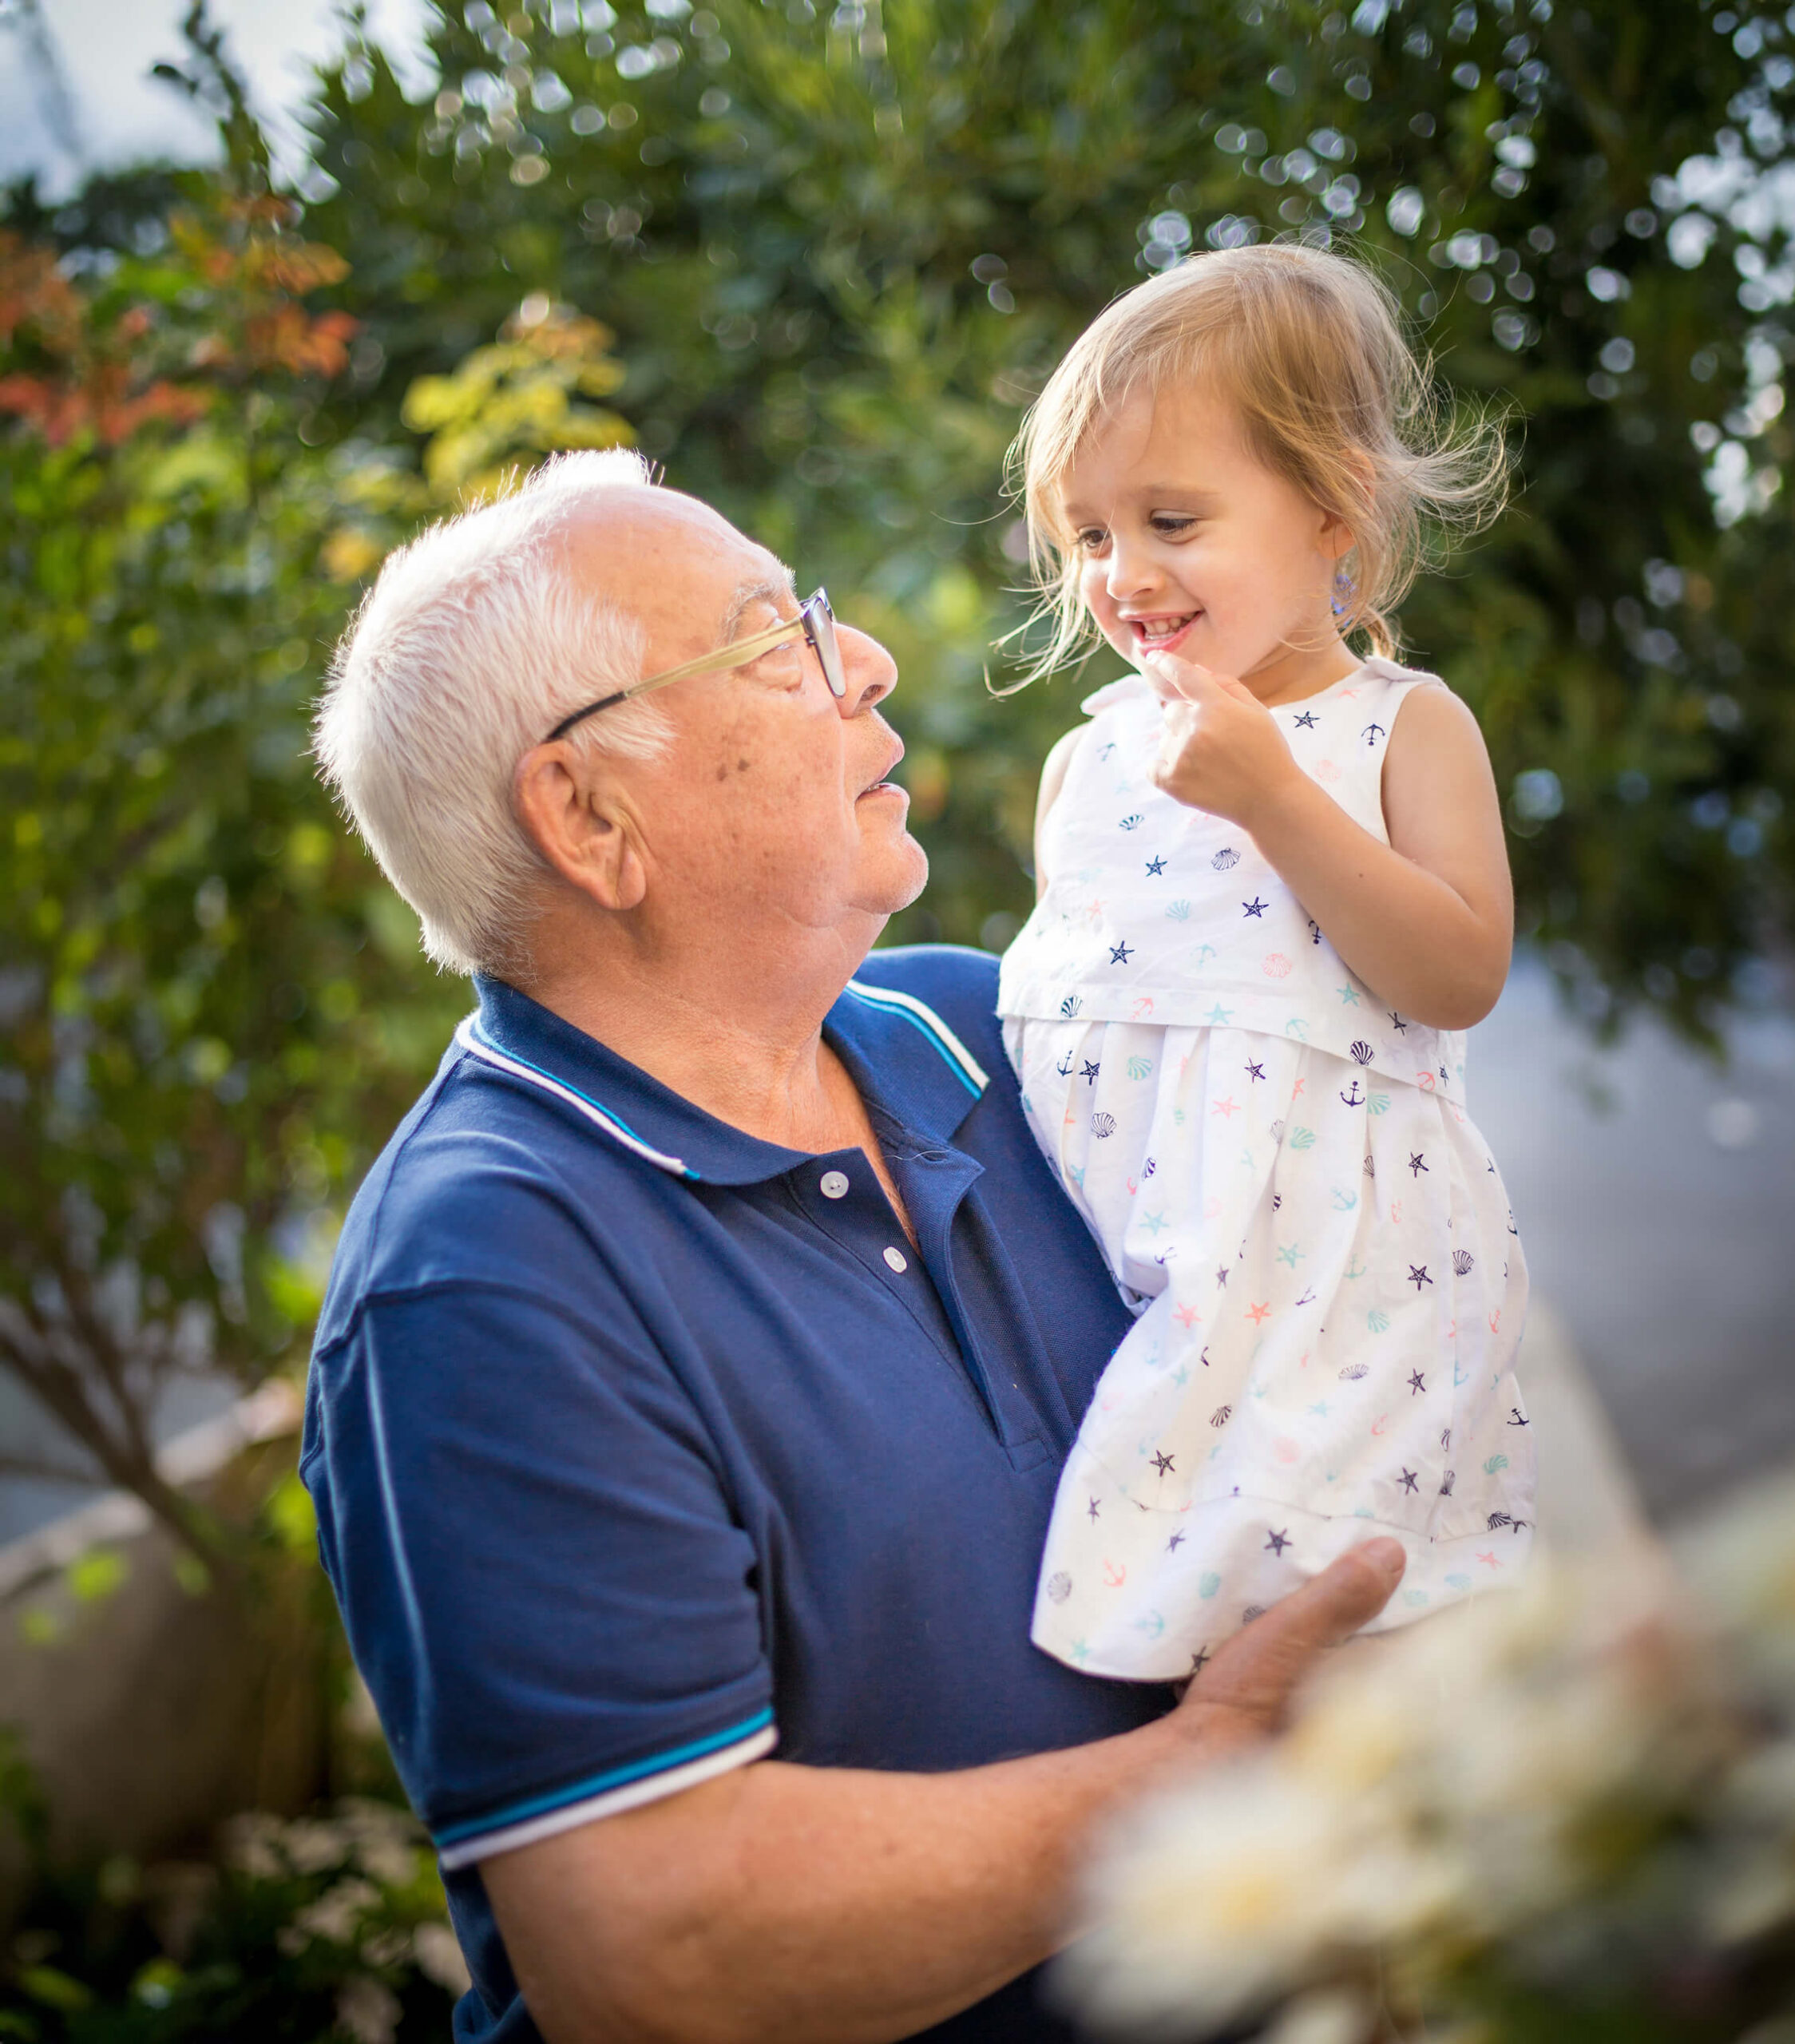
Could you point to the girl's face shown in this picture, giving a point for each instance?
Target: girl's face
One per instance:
(1190, 545)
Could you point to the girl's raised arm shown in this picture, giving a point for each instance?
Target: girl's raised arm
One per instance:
(1428, 921)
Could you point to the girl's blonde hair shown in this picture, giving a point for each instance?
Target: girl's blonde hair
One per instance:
(1308, 347)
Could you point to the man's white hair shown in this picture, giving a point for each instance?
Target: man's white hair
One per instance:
(475, 641)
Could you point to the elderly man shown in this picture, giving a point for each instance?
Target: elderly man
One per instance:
(701, 1354)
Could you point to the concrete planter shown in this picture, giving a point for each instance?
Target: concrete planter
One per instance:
(149, 1706)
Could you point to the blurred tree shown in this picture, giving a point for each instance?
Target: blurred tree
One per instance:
(839, 254)
(842, 251)
(211, 1009)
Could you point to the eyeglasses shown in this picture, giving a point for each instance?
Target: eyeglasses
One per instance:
(814, 620)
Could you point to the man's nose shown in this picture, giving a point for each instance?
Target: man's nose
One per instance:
(870, 672)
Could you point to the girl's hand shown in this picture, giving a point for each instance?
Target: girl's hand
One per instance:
(1220, 748)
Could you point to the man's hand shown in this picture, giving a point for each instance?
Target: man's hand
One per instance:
(1220, 748)
(782, 1904)
(1244, 1692)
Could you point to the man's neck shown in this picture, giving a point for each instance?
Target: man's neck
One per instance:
(746, 1046)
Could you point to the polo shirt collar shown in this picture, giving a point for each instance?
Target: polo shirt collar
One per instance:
(908, 1064)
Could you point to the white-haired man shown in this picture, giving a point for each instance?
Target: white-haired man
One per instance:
(701, 1354)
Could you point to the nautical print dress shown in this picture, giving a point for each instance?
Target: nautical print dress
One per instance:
(1280, 1169)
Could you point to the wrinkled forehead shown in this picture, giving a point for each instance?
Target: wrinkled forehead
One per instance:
(674, 562)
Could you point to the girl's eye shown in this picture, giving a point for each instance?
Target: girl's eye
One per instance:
(1170, 522)
(1091, 538)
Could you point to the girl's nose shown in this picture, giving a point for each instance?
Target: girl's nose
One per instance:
(1132, 571)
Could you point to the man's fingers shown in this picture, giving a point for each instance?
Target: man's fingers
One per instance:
(1256, 1671)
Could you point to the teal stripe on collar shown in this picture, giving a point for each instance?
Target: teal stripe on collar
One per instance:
(922, 1017)
(470, 1036)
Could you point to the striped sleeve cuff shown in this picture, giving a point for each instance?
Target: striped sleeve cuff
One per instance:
(605, 1795)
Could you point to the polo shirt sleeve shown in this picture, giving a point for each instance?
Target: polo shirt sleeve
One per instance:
(542, 1582)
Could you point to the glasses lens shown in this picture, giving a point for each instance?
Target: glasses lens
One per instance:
(819, 622)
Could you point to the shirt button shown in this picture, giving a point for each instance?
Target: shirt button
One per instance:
(897, 1259)
(834, 1185)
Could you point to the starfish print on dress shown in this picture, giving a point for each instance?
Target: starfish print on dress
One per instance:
(1417, 1163)
(1154, 1222)
(1162, 1462)
(1222, 1275)
(1255, 1072)
(1156, 866)
(1418, 1276)
(1306, 721)
(1408, 1480)
(1219, 1015)
(1255, 907)
(1187, 1317)
(1089, 1072)
(1489, 1560)
(1199, 1660)
(1320, 1409)
(1350, 996)
(1227, 1108)
(1278, 1544)
(1417, 1384)
(1173, 1544)
(1257, 1314)
(1091, 1511)
(1397, 1024)
(1119, 953)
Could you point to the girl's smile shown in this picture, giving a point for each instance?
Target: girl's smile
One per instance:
(1190, 544)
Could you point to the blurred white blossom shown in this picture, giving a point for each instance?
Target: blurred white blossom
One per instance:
(1586, 1788)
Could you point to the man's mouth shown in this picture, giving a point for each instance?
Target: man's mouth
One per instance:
(1153, 635)
(884, 781)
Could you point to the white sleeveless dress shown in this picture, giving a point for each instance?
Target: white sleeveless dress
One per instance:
(1280, 1170)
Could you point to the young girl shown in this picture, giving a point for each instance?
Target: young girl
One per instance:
(1273, 892)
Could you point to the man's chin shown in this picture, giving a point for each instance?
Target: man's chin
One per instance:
(899, 882)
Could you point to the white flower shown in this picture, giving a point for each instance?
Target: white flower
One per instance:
(311, 1845)
(439, 1957)
(1331, 2015)
(250, 1844)
(368, 2010)
(1228, 1893)
(338, 1912)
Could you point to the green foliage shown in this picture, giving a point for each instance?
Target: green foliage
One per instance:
(316, 1931)
(208, 1023)
(841, 250)
(833, 256)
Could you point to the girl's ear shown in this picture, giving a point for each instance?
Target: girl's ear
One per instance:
(1338, 538)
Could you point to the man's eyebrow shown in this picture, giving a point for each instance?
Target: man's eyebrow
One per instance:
(760, 589)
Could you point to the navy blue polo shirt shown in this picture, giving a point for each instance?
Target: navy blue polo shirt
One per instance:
(642, 1448)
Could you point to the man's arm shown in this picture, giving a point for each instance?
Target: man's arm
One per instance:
(783, 1904)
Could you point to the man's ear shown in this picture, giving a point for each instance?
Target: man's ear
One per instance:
(572, 810)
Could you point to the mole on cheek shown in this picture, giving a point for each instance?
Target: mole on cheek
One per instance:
(741, 766)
